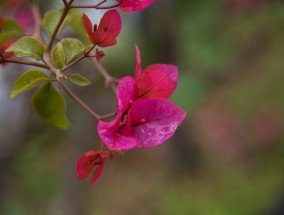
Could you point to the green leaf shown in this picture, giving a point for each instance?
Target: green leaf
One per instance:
(10, 29)
(79, 80)
(27, 81)
(72, 20)
(27, 46)
(50, 106)
(72, 48)
(50, 20)
(58, 56)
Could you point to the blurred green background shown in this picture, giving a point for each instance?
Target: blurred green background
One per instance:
(227, 158)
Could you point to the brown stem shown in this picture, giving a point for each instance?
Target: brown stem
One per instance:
(109, 80)
(79, 59)
(24, 63)
(37, 26)
(107, 115)
(97, 6)
(80, 102)
(61, 20)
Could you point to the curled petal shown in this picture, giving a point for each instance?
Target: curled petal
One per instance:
(153, 121)
(157, 81)
(134, 5)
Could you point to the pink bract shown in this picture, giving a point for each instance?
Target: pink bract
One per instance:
(148, 123)
(134, 5)
(109, 28)
(145, 118)
(156, 81)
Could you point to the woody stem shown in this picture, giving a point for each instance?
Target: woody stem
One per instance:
(97, 6)
(79, 101)
(109, 80)
(61, 20)
(83, 104)
(79, 59)
(3, 60)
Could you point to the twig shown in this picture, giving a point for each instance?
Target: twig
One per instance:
(84, 105)
(86, 53)
(37, 26)
(24, 63)
(109, 80)
(97, 6)
(61, 20)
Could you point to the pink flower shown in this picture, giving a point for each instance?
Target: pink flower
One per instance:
(91, 160)
(145, 118)
(134, 5)
(109, 28)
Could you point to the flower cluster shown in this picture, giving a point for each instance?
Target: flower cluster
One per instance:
(145, 118)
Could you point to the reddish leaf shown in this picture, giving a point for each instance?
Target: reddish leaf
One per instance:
(98, 172)
(85, 164)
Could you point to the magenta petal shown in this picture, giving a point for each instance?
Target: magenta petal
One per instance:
(111, 22)
(127, 92)
(134, 5)
(116, 137)
(154, 120)
(138, 62)
(158, 81)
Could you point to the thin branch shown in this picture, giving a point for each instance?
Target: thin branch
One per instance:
(24, 63)
(37, 26)
(86, 53)
(109, 80)
(65, 2)
(97, 6)
(107, 115)
(79, 101)
(61, 20)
